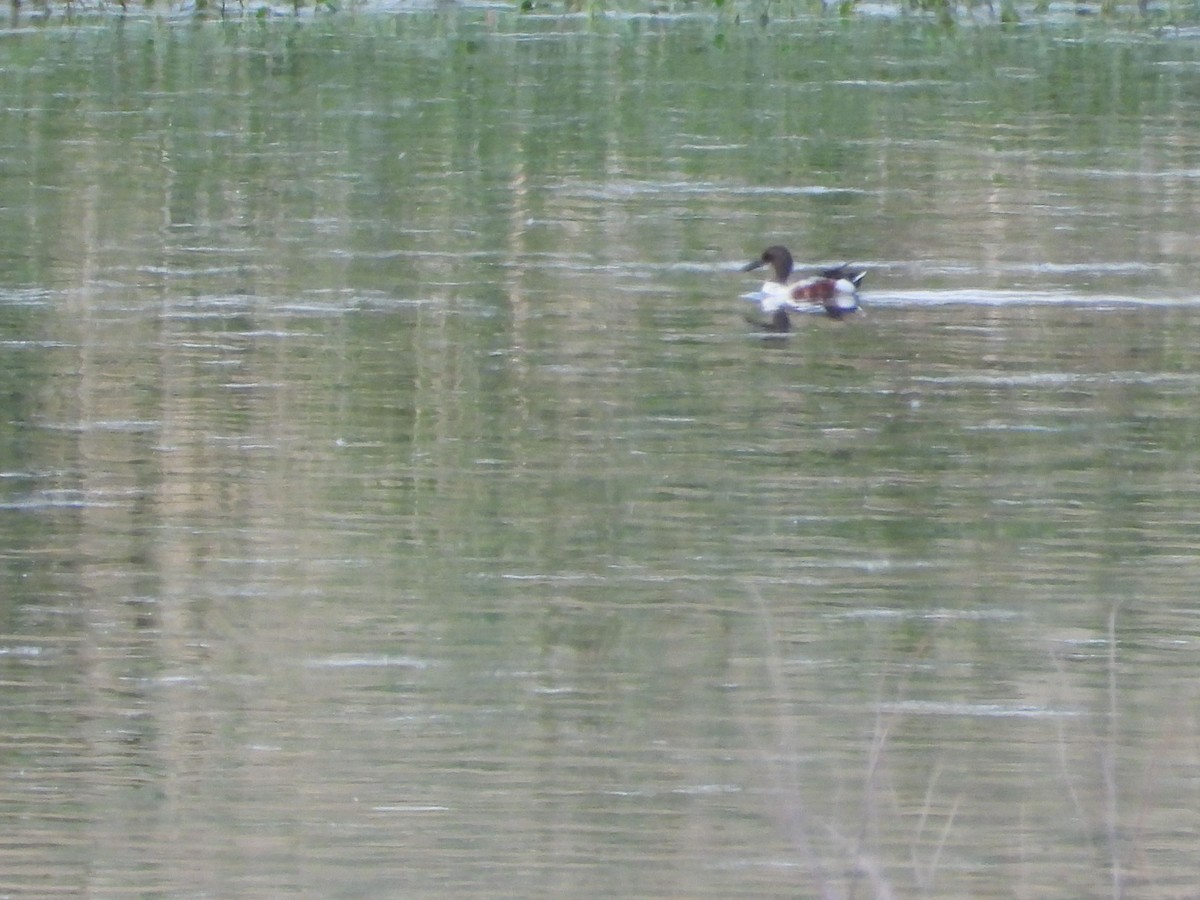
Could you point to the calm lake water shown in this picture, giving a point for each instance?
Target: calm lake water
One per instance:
(395, 504)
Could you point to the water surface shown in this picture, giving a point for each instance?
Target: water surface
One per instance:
(395, 504)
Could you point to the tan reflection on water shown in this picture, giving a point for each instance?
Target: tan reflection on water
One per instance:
(395, 504)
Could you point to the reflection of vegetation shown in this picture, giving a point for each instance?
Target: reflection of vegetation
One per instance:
(944, 12)
(901, 815)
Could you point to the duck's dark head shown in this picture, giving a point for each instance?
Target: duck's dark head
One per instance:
(778, 258)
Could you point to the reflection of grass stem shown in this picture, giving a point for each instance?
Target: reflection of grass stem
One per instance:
(932, 867)
(1108, 742)
(783, 769)
(795, 816)
(1109, 761)
(784, 774)
(926, 874)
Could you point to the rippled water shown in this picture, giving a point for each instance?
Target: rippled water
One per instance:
(396, 504)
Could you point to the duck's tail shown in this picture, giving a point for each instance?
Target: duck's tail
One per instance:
(845, 273)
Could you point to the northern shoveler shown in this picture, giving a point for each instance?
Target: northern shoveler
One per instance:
(833, 290)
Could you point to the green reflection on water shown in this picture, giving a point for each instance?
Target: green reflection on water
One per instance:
(385, 435)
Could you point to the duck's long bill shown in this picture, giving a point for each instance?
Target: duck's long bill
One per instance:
(754, 264)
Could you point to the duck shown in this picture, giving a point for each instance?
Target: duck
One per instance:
(833, 290)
